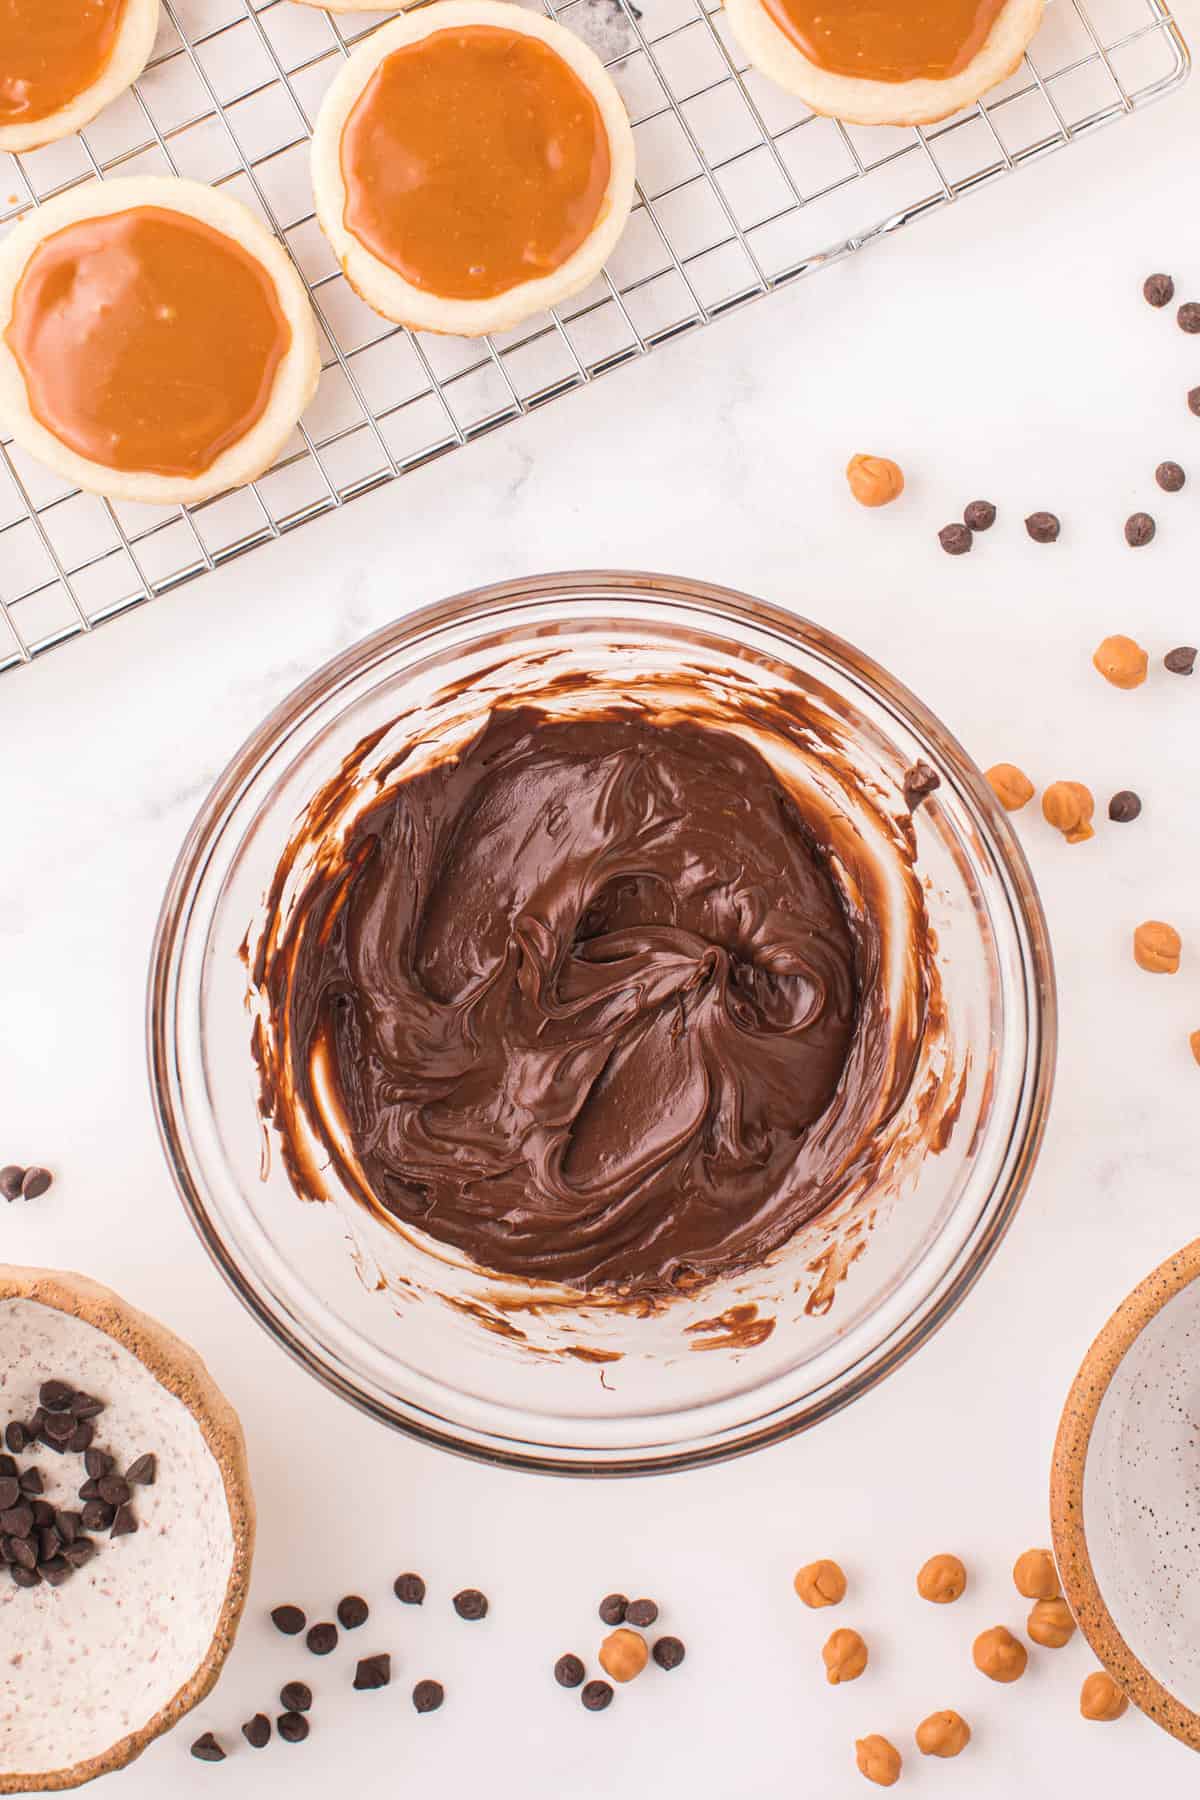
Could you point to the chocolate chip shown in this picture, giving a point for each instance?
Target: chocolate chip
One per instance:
(80, 1439)
(7, 1465)
(641, 1613)
(1043, 527)
(596, 1696)
(288, 1619)
(17, 1521)
(16, 1436)
(43, 1513)
(373, 1672)
(86, 1406)
(955, 540)
(97, 1515)
(114, 1489)
(322, 1638)
(1181, 661)
(90, 1489)
(25, 1578)
(257, 1731)
(919, 782)
(98, 1463)
(569, 1671)
(352, 1612)
(1124, 806)
(409, 1589)
(56, 1396)
(10, 1492)
(613, 1608)
(68, 1524)
(980, 515)
(125, 1522)
(292, 1727)
(22, 1552)
(295, 1696)
(143, 1472)
(49, 1544)
(1188, 317)
(30, 1481)
(35, 1183)
(1159, 290)
(1170, 477)
(1139, 529)
(668, 1652)
(56, 1430)
(428, 1696)
(78, 1551)
(1193, 400)
(207, 1749)
(471, 1604)
(55, 1571)
(11, 1177)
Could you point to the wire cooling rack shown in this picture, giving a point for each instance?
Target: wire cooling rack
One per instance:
(741, 190)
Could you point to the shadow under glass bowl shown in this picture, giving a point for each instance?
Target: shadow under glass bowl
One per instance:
(573, 1389)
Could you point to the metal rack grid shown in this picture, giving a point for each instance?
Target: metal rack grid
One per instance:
(741, 190)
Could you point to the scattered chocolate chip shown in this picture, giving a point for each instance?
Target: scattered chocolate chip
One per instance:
(1188, 317)
(1139, 529)
(43, 1512)
(955, 540)
(90, 1490)
(641, 1613)
(16, 1436)
(97, 1463)
(17, 1521)
(352, 1612)
(1159, 290)
(56, 1430)
(125, 1522)
(596, 1696)
(471, 1604)
(114, 1489)
(7, 1465)
(25, 1578)
(1193, 400)
(30, 1481)
(207, 1749)
(428, 1696)
(292, 1727)
(49, 1544)
(97, 1515)
(613, 1608)
(34, 1184)
(56, 1396)
(1124, 806)
(322, 1638)
(569, 1671)
(373, 1672)
(11, 1177)
(78, 1551)
(1181, 661)
(257, 1731)
(68, 1524)
(980, 515)
(143, 1472)
(55, 1571)
(1043, 527)
(21, 1552)
(295, 1696)
(81, 1437)
(288, 1619)
(919, 782)
(10, 1492)
(668, 1652)
(86, 1406)
(1170, 477)
(410, 1589)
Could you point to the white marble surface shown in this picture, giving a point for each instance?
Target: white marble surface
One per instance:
(1000, 349)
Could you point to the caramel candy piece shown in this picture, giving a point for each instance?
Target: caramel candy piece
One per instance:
(1121, 661)
(820, 1584)
(624, 1654)
(1101, 1699)
(1035, 1576)
(1068, 806)
(475, 159)
(1157, 947)
(1050, 1624)
(844, 1656)
(878, 1760)
(942, 1579)
(1011, 786)
(943, 1734)
(874, 480)
(999, 1655)
(907, 40)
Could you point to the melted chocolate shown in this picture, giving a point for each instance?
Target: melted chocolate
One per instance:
(586, 1003)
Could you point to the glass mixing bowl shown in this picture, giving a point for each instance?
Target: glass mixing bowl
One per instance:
(546, 1380)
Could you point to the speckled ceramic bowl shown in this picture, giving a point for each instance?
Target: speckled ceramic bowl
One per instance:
(1125, 1496)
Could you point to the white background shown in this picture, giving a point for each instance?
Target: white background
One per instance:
(1001, 349)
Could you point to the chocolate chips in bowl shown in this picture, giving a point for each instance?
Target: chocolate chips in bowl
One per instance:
(487, 1299)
